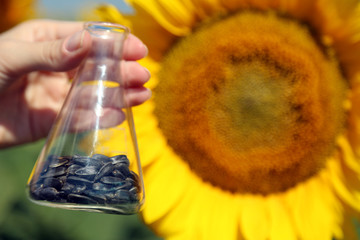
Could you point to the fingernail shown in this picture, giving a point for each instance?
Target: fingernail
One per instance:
(146, 49)
(148, 72)
(74, 42)
(149, 92)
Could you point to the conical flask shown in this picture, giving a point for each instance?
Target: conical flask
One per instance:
(74, 170)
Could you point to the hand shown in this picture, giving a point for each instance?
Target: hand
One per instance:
(37, 59)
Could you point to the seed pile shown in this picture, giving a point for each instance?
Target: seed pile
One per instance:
(87, 180)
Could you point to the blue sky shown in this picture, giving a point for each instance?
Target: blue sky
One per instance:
(69, 9)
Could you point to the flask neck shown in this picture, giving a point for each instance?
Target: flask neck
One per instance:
(104, 58)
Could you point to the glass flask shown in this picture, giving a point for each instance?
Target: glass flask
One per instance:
(75, 170)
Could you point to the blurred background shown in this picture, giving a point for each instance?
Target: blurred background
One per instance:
(21, 219)
(67, 9)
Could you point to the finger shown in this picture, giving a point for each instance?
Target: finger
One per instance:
(60, 29)
(137, 96)
(134, 48)
(133, 74)
(43, 30)
(87, 119)
(19, 58)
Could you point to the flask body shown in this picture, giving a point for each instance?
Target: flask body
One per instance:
(74, 169)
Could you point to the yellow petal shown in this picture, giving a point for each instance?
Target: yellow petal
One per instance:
(254, 218)
(181, 216)
(202, 9)
(345, 180)
(222, 213)
(280, 220)
(150, 139)
(316, 211)
(165, 184)
(350, 159)
(171, 15)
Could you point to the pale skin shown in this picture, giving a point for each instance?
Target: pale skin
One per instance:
(37, 60)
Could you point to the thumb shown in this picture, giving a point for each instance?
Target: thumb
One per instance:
(58, 55)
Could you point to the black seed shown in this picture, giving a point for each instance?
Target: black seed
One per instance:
(50, 159)
(105, 170)
(134, 190)
(112, 180)
(68, 188)
(53, 182)
(78, 181)
(86, 172)
(37, 184)
(110, 197)
(117, 173)
(36, 193)
(62, 196)
(123, 168)
(71, 170)
(48, 193)
(135, 178)
(95, 164)
(97, 196)
(55, 172)
(58, 162)
(134, 175)
(81, 199)
(134, 197)
(122, 195)
(62, 179)
(102, 187)
(132, 182)
(126, 185)
(78, 188)
(120, 159)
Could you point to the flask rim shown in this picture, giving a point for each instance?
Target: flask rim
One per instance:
(99, 26)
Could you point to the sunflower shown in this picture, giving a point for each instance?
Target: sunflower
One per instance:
(13, 12)
(253, 131)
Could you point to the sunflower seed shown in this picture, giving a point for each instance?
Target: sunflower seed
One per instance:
(81, 199)
(59, 162)
(112, 180)
(97, 196)
(105, 170)
(67, 187)
(123, 168)
(48, 193)
(53, 182)
(117, 173)
(120, 159)
(86, 172)
(78, 180)
(72, 169)
(55, 172)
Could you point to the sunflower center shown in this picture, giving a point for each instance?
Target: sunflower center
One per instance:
(252, 102)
